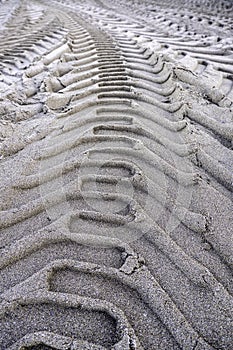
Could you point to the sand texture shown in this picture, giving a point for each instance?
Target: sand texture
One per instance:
(116, 126)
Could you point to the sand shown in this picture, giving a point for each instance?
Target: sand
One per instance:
(116, 174)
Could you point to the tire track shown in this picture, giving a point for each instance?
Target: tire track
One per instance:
(22, 99)
(209, 89)
(114, 196)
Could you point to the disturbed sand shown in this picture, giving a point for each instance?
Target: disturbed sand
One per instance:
(116, 125)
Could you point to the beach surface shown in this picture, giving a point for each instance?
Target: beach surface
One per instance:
(116, 129)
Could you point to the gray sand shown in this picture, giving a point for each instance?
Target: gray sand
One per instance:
(116, 174)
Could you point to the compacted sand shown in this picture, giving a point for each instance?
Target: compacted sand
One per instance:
(116, 174)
